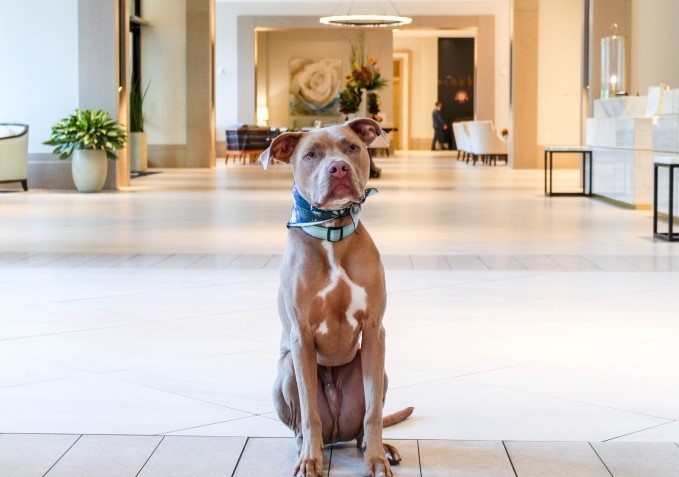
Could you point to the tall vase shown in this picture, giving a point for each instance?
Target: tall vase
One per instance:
(363, 107)
(89, 168)
(138, 151)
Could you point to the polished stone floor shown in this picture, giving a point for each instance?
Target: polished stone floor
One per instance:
(518, 325)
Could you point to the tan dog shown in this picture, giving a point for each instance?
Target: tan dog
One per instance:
(331, 382)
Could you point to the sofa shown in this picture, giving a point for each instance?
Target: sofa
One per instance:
(14, 153)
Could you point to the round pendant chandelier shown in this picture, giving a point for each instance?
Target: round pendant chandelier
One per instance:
(378, 17)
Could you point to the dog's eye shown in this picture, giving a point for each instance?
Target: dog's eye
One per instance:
(353, 148)
(310, 155)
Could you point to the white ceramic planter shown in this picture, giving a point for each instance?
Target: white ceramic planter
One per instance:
(138, 152)
(89, 168)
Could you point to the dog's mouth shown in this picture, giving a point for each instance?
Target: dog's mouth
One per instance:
(339, 193)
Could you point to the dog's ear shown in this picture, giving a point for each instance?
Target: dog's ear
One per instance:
(281, 148)
(368, 130)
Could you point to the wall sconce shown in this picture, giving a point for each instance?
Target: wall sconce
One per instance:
(262, 115)
(613, 79)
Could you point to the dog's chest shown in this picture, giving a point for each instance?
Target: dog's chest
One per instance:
(340, 306)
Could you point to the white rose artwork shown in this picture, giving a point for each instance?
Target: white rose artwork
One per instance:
(315, 87)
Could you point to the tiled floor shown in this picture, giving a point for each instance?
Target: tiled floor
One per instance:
(55, 455)
(138, 328)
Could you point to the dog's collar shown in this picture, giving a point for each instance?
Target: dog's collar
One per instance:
(308, 218)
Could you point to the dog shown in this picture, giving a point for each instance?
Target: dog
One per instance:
(331, 382)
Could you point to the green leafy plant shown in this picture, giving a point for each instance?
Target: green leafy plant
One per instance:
(373, 103)
(349, 100)
(137, 97)
(88, 129)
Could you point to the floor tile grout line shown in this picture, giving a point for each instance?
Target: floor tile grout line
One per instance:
(579, 401)
(150, 455)
(94, 256)
(674, 421)
(332, 448)
(240, 456)
(419, 456)
(509, 457)
(602, 461)
(62, 455)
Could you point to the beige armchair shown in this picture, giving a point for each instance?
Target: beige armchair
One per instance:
(485, 142)
(14, 153)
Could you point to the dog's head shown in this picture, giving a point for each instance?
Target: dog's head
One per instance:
(330, 165)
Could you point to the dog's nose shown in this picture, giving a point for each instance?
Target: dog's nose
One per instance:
(338, 169)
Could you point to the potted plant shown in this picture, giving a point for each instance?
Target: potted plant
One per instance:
(90, 136)
(138, 140)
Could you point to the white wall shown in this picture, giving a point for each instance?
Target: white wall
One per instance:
(655, 37)
(164, 65)
(38, 64)
(560, 59)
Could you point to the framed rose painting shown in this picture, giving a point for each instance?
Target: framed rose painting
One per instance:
(315, 87)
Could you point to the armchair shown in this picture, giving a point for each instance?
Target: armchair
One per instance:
(486, 143)
(14, 153)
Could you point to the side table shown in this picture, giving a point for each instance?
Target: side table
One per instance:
(586, 156)
(671, 164)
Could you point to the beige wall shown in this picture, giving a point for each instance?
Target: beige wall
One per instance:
(423, 88)
(164, 65)
(177, 61)
(523, 150)
(560, 60)
(655, 38)
(275, 49)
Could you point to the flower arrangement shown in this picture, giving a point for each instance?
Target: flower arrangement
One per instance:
(365, 74)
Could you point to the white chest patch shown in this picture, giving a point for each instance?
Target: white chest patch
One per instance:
(359, 297)
(323, 328)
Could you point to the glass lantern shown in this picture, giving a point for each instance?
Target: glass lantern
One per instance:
(613, 80)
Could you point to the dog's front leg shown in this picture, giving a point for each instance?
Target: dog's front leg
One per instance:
(303, 347)
(372, 366)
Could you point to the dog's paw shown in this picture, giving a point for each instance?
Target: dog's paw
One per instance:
(392, 454)
(377, 465)
(309, 467)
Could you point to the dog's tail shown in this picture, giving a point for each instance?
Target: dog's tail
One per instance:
(397, 417)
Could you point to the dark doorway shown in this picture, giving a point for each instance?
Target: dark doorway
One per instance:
(456, 81)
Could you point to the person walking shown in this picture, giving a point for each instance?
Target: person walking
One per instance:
(439, 126)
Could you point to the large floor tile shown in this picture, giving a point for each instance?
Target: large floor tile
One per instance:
(628, 459)
(639, 377)
(105, 456)
(464, 459)
(130, 346)
(30, 455)
(271, 457)
(18, 369)
(194, 457)
(241, 381)
(99, 405)
(468, 411)
(555, 459)
(347, 460)
(21, 321)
